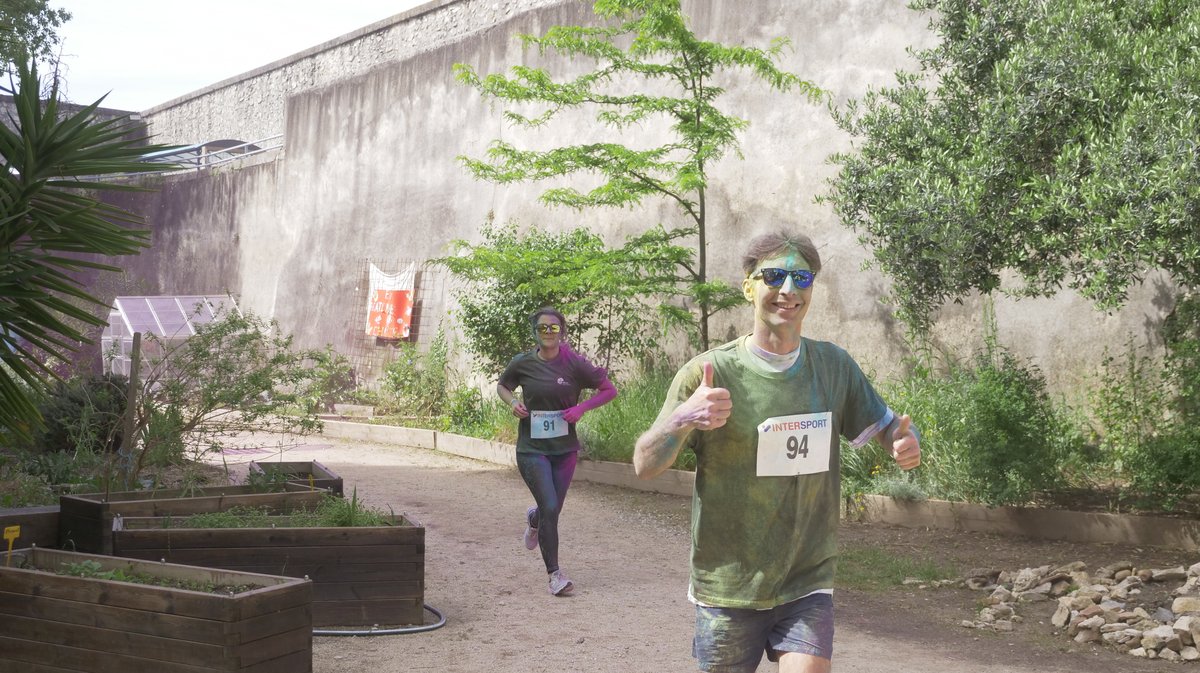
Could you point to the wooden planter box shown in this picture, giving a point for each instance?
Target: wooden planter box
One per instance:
(38, 525)
(52, 622)
(361, 576)
(304, 472)
(85, 521)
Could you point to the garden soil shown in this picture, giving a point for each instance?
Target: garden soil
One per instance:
(628, 553)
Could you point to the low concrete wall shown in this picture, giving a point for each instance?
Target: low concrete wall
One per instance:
(672, 482)
(1046, 524)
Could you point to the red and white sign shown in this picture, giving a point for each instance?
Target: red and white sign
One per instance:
(389, 304)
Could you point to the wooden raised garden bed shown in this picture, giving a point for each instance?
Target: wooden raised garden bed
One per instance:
(304, 472)
(37, 526)
(51, 622)
(361, 576)
(85, 521)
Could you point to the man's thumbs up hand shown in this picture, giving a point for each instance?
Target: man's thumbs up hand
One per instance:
(906, 447)
(708, 408)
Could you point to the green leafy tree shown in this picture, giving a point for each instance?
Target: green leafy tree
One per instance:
(29, 31)
(606, 294)
(649, 65)
(1055, 139)
(53, 164)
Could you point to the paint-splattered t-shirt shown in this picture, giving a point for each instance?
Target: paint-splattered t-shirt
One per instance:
(550, 386)
(762, 541)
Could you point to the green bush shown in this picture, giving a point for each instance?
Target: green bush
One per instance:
(610, 432)
(331, 380)
(990, 433)
(83, 414)
(417, 383)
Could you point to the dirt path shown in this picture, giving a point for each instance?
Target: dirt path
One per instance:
(627, 552)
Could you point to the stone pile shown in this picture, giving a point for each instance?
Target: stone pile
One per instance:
(1092, 607)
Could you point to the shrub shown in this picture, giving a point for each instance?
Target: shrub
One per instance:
(83, 414)
(610, 432)
(416, 383)
(990, 433)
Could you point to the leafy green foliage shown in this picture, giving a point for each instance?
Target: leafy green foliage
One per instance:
(609, 432)
(331, 512)
(236, 374)
(650, 69)
(94, 570)
(1051, 139)
(53, 228)
(82, 414)
(417, 383)
(28, 31)
(611, 297)
(1148, 410)
(332, 380)
(989, 433)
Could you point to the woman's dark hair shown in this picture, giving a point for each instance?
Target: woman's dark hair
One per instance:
(762, 247)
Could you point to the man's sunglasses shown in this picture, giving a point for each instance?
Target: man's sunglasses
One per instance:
(549, 329)
(801, 278)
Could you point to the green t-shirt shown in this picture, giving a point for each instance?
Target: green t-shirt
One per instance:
(550, 386)
(762, 541)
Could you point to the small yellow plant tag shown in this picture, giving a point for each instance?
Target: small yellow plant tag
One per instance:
(311, 484)
(11, 533)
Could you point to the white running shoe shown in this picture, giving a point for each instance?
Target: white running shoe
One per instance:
(560, 585)
(531, 540)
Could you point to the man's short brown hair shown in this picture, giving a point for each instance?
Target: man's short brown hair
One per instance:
(762, 247)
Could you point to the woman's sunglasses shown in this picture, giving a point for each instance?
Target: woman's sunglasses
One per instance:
(549, 329)
(801, 278)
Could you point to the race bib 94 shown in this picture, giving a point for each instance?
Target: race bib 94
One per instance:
(792, 445)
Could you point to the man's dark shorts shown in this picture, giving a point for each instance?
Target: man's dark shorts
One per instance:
(732, 640)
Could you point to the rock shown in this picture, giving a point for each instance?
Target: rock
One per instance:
(1109, 571)
(1032, 597)
(1186, 605)
(1189, 654)
(1028, 578)
(1188, 628)
(1194, 571)
(1168, 655)
(1003, 625)
(1138, 652)
(1000, 595)
(981, 578)
(1061, 616)
(1122, 575)
(1162, 637)
(1087, 636)
(1163, 615)
(1177, 574)
(1145, 574)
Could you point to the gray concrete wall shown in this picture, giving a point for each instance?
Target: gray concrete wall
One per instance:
(373, 123)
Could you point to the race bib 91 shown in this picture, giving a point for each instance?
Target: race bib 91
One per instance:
(547, 424)
(792, 445)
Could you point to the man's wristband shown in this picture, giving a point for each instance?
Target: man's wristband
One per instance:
(514, 402)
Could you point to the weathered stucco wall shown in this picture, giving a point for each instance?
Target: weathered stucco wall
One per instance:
(373, 124)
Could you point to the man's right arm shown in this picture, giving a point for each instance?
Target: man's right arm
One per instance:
(707, 409)
(657, 448)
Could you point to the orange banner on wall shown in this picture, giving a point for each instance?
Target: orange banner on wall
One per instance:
(389, 303)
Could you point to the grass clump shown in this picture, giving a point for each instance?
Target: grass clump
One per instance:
(873, 569)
